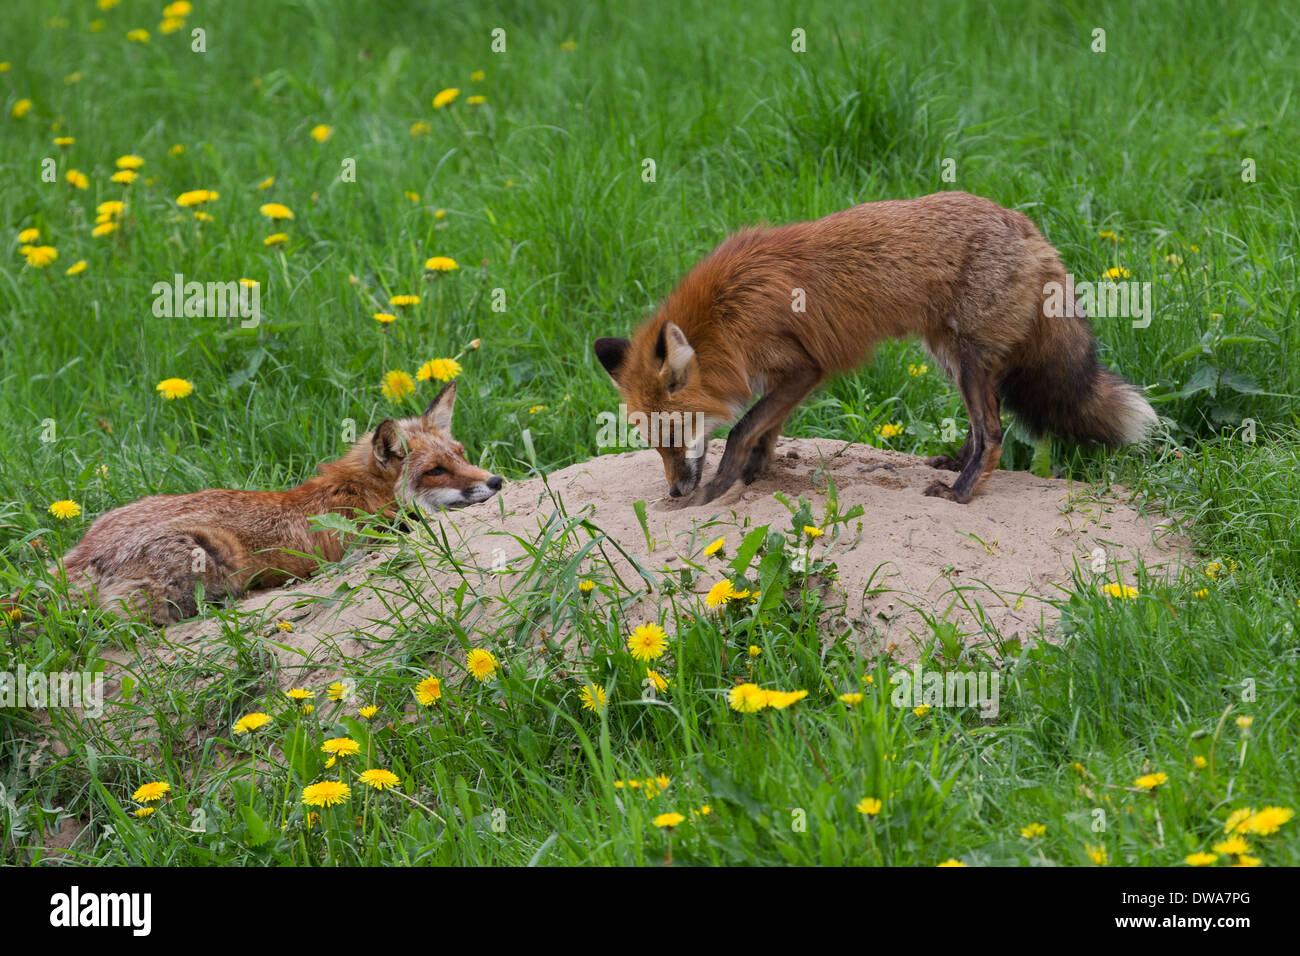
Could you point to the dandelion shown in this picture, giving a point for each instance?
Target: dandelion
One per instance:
(197, 197)
(536, 409)
(720, 593)
(586, 586)
(592, 697)
(656, 680)
(869, 806)
(429, 691)
(21, 109)
(647, 642)
(482, 664)
(1269, 820)
(77, 268)
(104, 229)
(1244, 722)
(714, 547)
(754, 650)
(321, 132)
(251, 722)
(404, 300)
(1238, 820)
(668, 820)
(176, 149)
(129, 161)
(383, 318)
(441, 264)
(123, 177)
(65, 140)
(327, 793)
(916, 371)
(298, 694)
(249, 283)
(1108, 236)
(747, 698)
(445, 97)
(77, 178)
(151, 792)
(1122, 591)
(781, 699)
(1214, 569)
(1033, 830)
(365, 713)
(813, 533)
(379, 779)
(1116, 272)
(65, 510)
(28, 236)
(443, 369)
(1174, 259)
(1233, 847)
(412, 195)
(1200, 859)
(440, 214)
(38, 257)
(275, 211)
(397, 385)
(950, 862)
(341, 747)
(174, 388)
(1245, 861)
(112, 208)
(478, 76)
(170, 25)
(889, 430)
(143, 812)
(421, 128)
(476, 100)
(138, 36)
(1151, 781)
(1199, 762)
(1202, 593)
(338, 691)
(851, 699)
(181, 8)
(1096, 853)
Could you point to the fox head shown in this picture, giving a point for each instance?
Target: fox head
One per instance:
(668, 399)
(425, 465)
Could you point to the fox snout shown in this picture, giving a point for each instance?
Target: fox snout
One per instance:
(681, 470)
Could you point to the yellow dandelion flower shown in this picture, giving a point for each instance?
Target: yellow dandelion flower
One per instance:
(275, 210)
(754, 650)
(176, 149)
(65, 141)
(1151, 781)
(104, 229)
(143, 812)
(1238, 820)
(397, 385)
(65, 510)
(781, 699)
(1123, 591)
(482, 664)
(950, 862)
(478, 76)
(420, 128)
(657, 680)
(429, 691)
(889, 430)
(1233, 847)
(249, 283)
(586, 586)
(337, 691)
(321, 132)
(181, 8)
(869, 806)
(443, 369)
(720, 593)
(124, 177)
(747, 698)
(151, 792)
(266, 183)
(1033, 830)
(1096, 853)
(404, 300)
(812, 532)
(441, 264)
(440, 214)
(668, 820)
(1269, 820)
(713, 547)
(174, 388)
(251, 722)
(1174, 259)
(112, 207)
(1116, 272)
(476, 100)
(851, 699)
(536, 409)
(592, 697)
(916, 371)
(299, 693)
(341, 747)
(129, 161)
(38, 257)
(1202, 593)
(77, 268)
(21, 109)
(412, 195)
(1247, 861)
(29, 236)
(647, 642)
(922, 710)
(365, 713)
(138, 36)
(197, 197)
(379, 779)
(445, 97)
(383, 318)
(1199, 762)
(327, 793)
(77, 178)
(1200, 859)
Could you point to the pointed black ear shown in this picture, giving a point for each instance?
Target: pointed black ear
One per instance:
(438, 414)
(387, 443)
(611, 353)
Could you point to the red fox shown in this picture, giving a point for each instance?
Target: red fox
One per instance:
(151, 554)
(775, 311)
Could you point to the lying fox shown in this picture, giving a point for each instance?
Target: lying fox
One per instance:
(776, 311)
(150, 555)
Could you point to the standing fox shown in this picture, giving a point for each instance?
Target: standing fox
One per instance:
(151, 554)
(776, 311)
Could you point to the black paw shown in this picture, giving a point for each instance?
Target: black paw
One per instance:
(944, 463)
(937, 489)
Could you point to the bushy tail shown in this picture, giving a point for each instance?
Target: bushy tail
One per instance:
(1054, 384)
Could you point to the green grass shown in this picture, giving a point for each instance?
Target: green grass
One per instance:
(544, 198)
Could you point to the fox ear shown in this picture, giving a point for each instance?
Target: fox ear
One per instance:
(438, 414)
(611, 353)
(387, 444)
(677, 354)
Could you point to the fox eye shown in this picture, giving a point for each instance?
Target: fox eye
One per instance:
(435, 472)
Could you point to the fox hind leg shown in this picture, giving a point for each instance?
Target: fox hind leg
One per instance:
(760, 457)
(979, 391)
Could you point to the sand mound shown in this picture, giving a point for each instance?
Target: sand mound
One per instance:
(991, 566)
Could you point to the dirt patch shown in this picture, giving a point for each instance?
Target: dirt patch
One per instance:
(992, 566)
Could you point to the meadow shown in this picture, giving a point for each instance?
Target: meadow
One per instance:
(520, 215)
